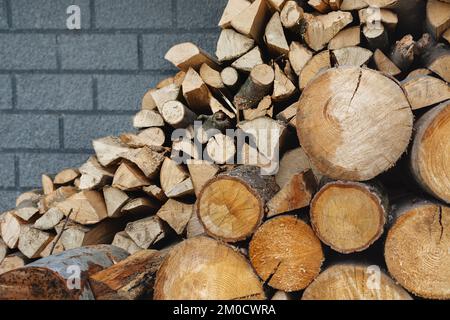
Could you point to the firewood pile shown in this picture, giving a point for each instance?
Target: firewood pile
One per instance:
(339, 188)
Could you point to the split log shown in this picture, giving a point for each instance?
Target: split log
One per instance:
(286, 254)
(151, 137)
(429, 155)
(436, 57)
(147, 118)
(53, 247)
(294, 161)
(10, 229)
(177, 114)
(233, 8)
(146, 232)
(384, 64)
(196, 93)
(27, 210)
(426, 91)
(201, 172)
(351, 98)
(221, 149)
(51, 200)
(194, 227)
(66, 176)
(274, 36)
(354, 282)
(283, 88)
(115, 199)
(49, 219)
(47, 184)
(374, 15)
(438, 17)
(315, 65)
(320, 5)
(230, 77)
(402, 54)
(289, 115)
(87, 207)
(349, 5)
(93, 175)
(140, 206)
(128, 177)
(147, 160)
(33, 196)
(59, 277)
(130, 279)
(173, 176)
(352, 56)
(177, 80)
(109, 150)
(33, 241)
(377, 36)
(188, 55)
(277, 5)
(13, 261)
(229, 275)
(147, 100)
(169, 93)
(155, 192)
(292, 17)
(264, 108)
(176, 214)
(257, 86)
(246, 63)
(123, 241)
(418, 73)
(349, 216)
(232, 45)
(416, 248)
(251, 21)
(299, 56)
(232, 205)
(211, 77)
(348, 37)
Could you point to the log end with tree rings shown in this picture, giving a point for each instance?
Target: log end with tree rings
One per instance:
(354, 123)
(417, 249)
(202, 268)
(286, 253)
(354, 282)
(430, 154)
(349, 216)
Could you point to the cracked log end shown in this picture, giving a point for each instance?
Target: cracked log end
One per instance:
(286, 253)
(354, 123)
(202, 268)
(417, 249)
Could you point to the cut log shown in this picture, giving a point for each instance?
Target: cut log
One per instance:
(377, 36)
(294, 161)
(10, 229)
(416, 248)
(47, 184)
(123, 241)
(140, 206)
(33, 241)
(12, 262)
(201, 172)
(93, 175)
(226, 275)
(169, 93)
(147, 118)
(374, 15)
(146, 232)
(221, 149)
(274, 36)
(51, 200)
(211, 77)
(426, 91)
(321, 29)
(326, 123)
(194, 227)
(320, 5)
(66, 176)
(147, 100)
(251, 21)
(402, 54)
(147, 160)
(245, 63)
(335, 4)
(230, 77)
(172, 175)
(429, 155)
(115, 199)
(418, 73)
(437, 59)
(177, 80)
(354, 282)
(233, 8)
(348, 37)
(128, 177)
(176, 214)
(196, 93)
(27, 210)
(349, 5)
(288, 115)
(278, 5)
(264, 108)
(49, 219)
(53, 247)
(59, 277)
(438, 17)
(292, 17)
(188, 55)
(155, 192)
(286, 253)
(295, 194)
(130, 279)
(320, 62)
(232, 205)
(33, 196)
(349, 216)
(352, 56)
(151, 137)
(257, 86)
(232, 45)
(283, 88)
(87, 207)
(177, 114)
(109, 150)
(299, 55)
(384, 64)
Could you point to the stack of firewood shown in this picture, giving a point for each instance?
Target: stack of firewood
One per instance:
(318, 194)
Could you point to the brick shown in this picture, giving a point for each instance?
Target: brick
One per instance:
(105, 52)
(79, 131)
(139, 14)
(123, 92)
(32, 166)
(8, 200)
(27, 51)
(199, 13)
(3, 17)
(5, 92)
(155, 47)
(28, 131)
(54, 92)
(46, 14)
(7, 170)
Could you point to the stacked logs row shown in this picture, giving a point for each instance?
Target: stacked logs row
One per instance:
(347, 99)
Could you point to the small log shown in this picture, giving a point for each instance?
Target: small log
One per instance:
(147, 118)
(155, 192)
(123, 241)
(49, 219)
(187, 55)
(148, 103)
(211, 77)
(291, 262)
(426, 91)
(232, 205)
(146, 232)
(416, 248)
(351, 98)
(335, 4)
(274, 36)
(257, 86)
(232, 45)
(232, 9)
(438, 17)
(373, 15)
(436, 57)
(177, 80)
(93, 175)
(151, 137)
(252, 20)
(229, 276)
(201, 172)
(115, 199)
(294, 162)
(33, 241)
(350, 5)
(87, 207)
(315, 65)
(13, 261)
(351, 282)
(418, 73)
(147, 160)
(176, 214)
(402, 54)
(59, 277)
(292, 17)
(177, 114)
(196, 93)
(299, 56)
(139, 206)
(246, 63)
(66, 176)
(264, 108)
(109, 150)
(288, 115)
(384, 64)
(320, 5)
(53, 247)
(10, 229)
(27, 210)
(377, 36)
(194, 227)
(352, 56)
(128, 177)
(169, 93)
(230, 77)
(283, 88)
(277, 5)
(348, 37)
(51, 200)
(47, 184)
(221, 149)
(429, 155)
(33, 196)
(172, 175)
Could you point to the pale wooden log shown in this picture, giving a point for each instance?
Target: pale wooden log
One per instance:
(372, 15)
(233, 8)
(49, 219)
(251, 21)
(93, 175)
(320, 5)
(229, 275)
(349, 5)
(129, 177)
(27, 210)
(288, 115)
(438, 17)
(435, 57)
(169, 93)
(425, 91)
(196, 93)
(130, 279)
(13, 261)
(264, 108)
(292, 17)
(146, 232)
(47, 184)
(147, 118)
(283, 88)
(315, 65)
(155, 192)
(293, 162)
(33, 241)
(172, 175)
(245, 63)
(151, 137)
(177, 115)
(148, 103)
(176, 214)
(377, 36)
(201, 172)
(109, 150)
(292, 261)
(221, 149)
(187, 55)
(216, 106)
(416, 248)
(53, 247)
(115, 199)
(418, 73)
(232, 205)
(352, 56)
(211, 77)
(194, 227)
(54, 277)
(182, 189)
(353, 96)
(278, 5)
(177, 80)
(123, 241)
(295, 194)
(348, 37)
(33, 196)
(10, 229)
(230, 77)
(350, 282)
(321, 29)
(66, 176)
(349, 216)
(140, 206)
(274, 36)
(249, 155)
(257, 86)
(335, 4)
(384, 64)
(429, 155)
(232, 45)
(299, 56)
(87, 207)
(61, 194)
(147, 160)
(402, 54)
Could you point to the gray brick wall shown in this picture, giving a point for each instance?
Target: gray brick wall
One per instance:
(59, 89)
